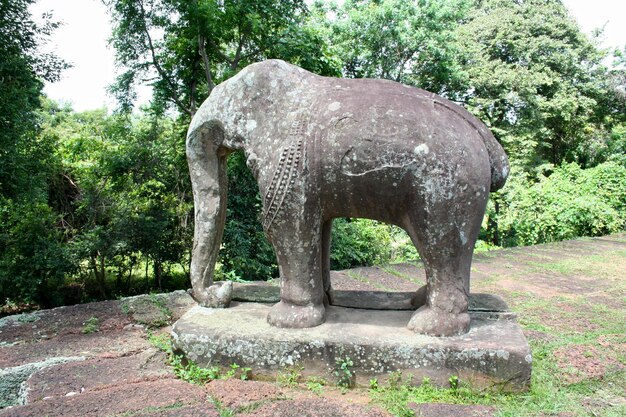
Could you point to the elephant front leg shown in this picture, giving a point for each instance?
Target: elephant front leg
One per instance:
(298, 251)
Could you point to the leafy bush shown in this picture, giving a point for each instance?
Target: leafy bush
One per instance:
(245, 250)
(359, 242)
(33, 259)
(569, 203)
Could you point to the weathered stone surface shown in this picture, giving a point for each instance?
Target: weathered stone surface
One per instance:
(13, 388)
(38, 350)
(156, 310)
(376, 300)
(315, 407)
(236, 394)
(322, 148)
(116, 342)
(205, 410)
(451, 410)
(97, 373)
(257, 292)
(150, 397)
(378, 342)
(263, 292)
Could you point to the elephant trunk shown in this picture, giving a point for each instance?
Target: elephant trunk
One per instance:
(207, 166)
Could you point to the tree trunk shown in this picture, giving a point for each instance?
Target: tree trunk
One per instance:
(493, 223)
(158, 273)
(99, 274)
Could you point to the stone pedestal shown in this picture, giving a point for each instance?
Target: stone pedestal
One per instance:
(494, 351)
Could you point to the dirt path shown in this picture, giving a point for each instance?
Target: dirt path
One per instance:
(96, 359)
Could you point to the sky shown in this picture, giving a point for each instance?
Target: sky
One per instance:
(83, 42)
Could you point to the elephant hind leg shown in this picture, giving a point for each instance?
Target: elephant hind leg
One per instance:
(447, 259)
(326, 239)
(299, 252)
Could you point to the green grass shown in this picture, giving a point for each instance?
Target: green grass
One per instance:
(548, 395)
(189, 371)
(573, 324)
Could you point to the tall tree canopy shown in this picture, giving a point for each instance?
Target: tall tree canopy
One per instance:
(22, 72)
(31, 252)
(183, 48)
(412, 42)
(537, 80)
(102, 203)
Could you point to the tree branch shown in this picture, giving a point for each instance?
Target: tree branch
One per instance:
(235, 61)
(175, 97)
(205, 61)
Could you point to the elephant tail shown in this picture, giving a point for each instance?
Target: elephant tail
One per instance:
(497, 158)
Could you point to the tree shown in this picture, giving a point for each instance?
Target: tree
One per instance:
(537, 80)
(412, 42)
(122, 194)
(22, 70)
(184, 48)
(32, 257)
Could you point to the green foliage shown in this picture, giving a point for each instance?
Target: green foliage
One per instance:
(32, 260)
(570, 202)
(290, 376)
(207, 42)
(189, 371)
(537, 81)
(245, 250)
(123, 194)
(315, 385)
(244, 373)
(92, 325)
(454, 382)
(344, 373)
(407, 41)
(24, 157)
(358, 242)
(374, 384)
(94, 206)
(396, 396)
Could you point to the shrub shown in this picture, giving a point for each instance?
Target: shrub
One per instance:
(359, 242)
(33, 259)
(569, 203)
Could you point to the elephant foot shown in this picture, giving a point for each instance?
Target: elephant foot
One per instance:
(292, 316)
(218, 295)
(433, 322)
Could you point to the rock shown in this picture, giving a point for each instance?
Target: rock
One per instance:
(97, 373)
(150, 397)
(451, 410)
(13, 380)
(377, 342)
(314, 407)
(237, 394)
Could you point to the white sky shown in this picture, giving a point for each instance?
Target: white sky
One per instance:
(82, 41)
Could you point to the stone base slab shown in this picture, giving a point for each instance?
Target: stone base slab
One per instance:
(493, 352)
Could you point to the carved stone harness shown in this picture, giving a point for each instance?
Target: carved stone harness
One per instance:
(285, 174)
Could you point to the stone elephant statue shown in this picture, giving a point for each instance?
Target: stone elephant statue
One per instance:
(322, 148)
